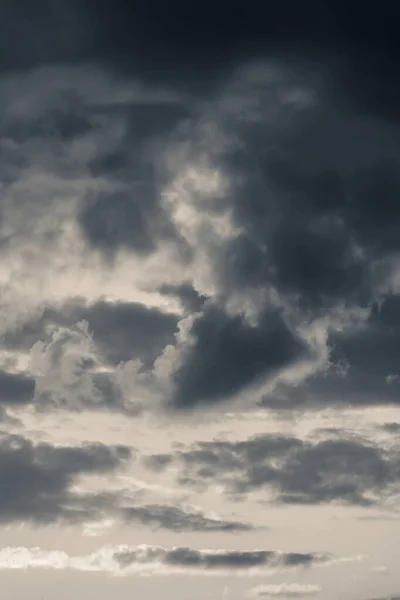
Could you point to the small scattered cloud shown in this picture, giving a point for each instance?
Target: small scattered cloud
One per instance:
(284, 590)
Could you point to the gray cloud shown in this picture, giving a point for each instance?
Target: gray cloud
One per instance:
(219, 560)
(344, 471)
(179, 520)
(37, 480)
(132, 215)
(156, 560)
(190, 299)
(229, 354)
(121, 331)
(391, 427)
(16, 389)
(365, 359)
(37, 488)
(311, 189)
(129, 219)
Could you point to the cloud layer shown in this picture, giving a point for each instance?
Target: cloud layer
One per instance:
(155, 560)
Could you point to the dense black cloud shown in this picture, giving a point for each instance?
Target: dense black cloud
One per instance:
(65, 120)
(36, 480)
(196, 43)
(16, 389)
(178, 520)
(314, 214)
(121, 330)
(229, 354)
(295, 471)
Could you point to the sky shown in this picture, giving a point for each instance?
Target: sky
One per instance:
(199, 300)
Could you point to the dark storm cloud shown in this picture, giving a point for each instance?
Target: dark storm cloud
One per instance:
(132, 216)
(229, 354)
(295, 471)
(195, 44)
(65, 121)
(369, 355)
(121, 330)
(175, 519)
(315, 221)
(16, 388)
(218, 560)
(316, 206)
(36, 480)
(64, 106)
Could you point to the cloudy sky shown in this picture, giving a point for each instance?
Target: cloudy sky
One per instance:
(199, 300)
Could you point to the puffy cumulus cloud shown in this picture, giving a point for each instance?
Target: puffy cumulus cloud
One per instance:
(156, 560)
(289, 470)
(38, 480)
(284, 590)
(64, 368)
(70, 373)
(121, 331)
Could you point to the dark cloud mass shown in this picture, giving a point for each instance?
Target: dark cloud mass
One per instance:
(344, 471)
(131, 218)
(191, 39)
(37, 480)
(369, 357)
(218, 560)
(311, 158)
(178, 520)
(16, 389)
(200, 256)
(121, 330)
(229, 354)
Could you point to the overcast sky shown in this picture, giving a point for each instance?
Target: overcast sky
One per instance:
(199, 300)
